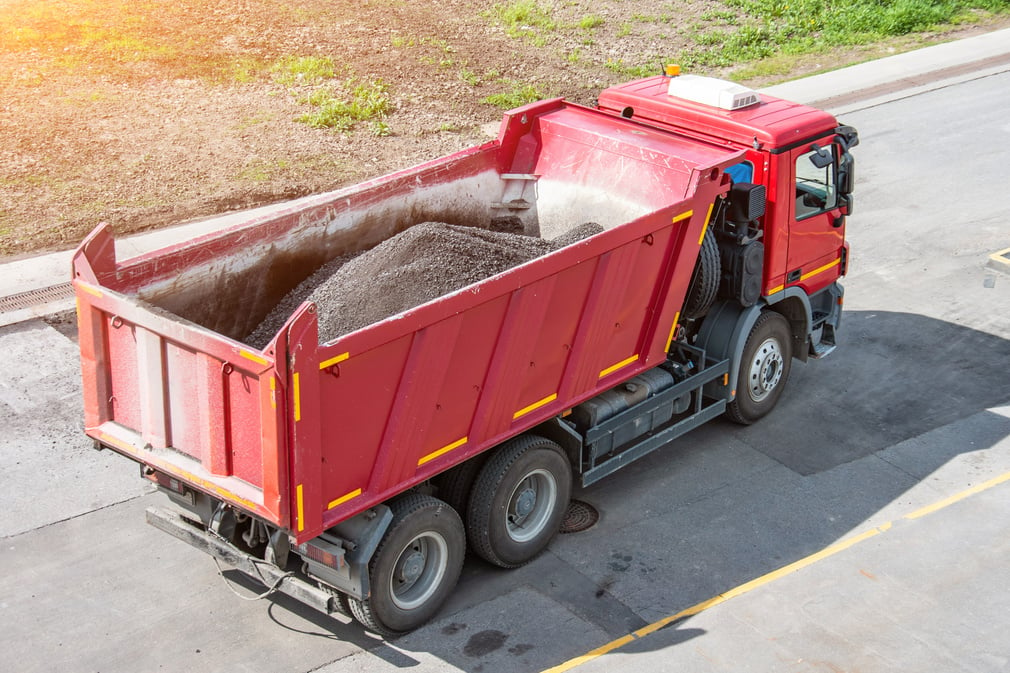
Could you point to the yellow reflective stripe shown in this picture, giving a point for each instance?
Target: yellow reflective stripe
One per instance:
(344, 498)
(683, 216)
(298, 399)
(301, 508)
(252, 356)
(623, 363)
(821, 269)
(708, 217)
(534, 406)
(445, 449)
(673, 330)
(809, 274)
(334, 360)
(94, 292)
(273, 392)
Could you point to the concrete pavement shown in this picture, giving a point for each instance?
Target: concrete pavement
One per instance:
(909, 411)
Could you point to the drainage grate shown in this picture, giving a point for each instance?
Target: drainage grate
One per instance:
(33, 298)
(579, 517)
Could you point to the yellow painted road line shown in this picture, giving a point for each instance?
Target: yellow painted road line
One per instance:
(1000, 260)
(536, 405)
(445, 449)
(929, 509)
(344, 498)
(770, 577)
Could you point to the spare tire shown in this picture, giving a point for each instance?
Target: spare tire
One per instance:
(705, 280)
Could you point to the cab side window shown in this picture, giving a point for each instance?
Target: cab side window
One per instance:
(816, 187)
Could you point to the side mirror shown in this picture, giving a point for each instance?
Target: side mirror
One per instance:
(848, 136)
(845, 203)
(846, 174)
(821, 157)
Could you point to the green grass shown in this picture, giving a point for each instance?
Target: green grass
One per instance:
(354, 101)
(303, 70)
(637, 70)
(517, 94)
(337, 105)
(751, 30)
(524, 19)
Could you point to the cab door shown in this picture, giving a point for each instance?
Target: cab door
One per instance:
(816, 216)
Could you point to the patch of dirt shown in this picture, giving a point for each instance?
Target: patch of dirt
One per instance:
(149, 114)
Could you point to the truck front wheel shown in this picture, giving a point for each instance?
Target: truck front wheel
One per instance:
(519, 500)
(415, 566)
(764, 369)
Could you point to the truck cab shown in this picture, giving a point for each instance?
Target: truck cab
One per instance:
(793, 254)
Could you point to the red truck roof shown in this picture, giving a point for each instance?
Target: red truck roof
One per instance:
(773, 122)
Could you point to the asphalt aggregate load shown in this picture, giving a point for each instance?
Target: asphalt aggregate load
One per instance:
(426, 261)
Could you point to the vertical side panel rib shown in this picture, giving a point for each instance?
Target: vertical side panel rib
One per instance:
(410, 420)
(212, 407)
(151, 388)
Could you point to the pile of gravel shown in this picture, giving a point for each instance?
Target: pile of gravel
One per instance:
(426, 261)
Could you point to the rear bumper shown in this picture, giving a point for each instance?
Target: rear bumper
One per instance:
(256, 569)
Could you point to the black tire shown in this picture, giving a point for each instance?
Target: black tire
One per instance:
(764, 369)
(705, 279)
(455, 485)
(341, 604)
(519, 501)
(414, 568)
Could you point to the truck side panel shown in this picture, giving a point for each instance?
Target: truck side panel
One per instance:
(305, 435)
(543, 338)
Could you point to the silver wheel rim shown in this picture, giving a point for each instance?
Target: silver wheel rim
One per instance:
(419, 570)
(765, 370)
(530, 505)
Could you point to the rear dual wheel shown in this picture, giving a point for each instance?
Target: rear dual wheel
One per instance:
(518, 501)
(414, 568)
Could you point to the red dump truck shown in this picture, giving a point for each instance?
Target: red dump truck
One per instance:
(353, 474)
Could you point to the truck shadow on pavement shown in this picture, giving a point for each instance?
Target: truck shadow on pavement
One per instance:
(902, 396)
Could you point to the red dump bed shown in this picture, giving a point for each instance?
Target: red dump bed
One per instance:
(305, 434)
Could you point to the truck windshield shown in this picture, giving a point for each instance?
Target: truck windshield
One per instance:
(816, 189)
